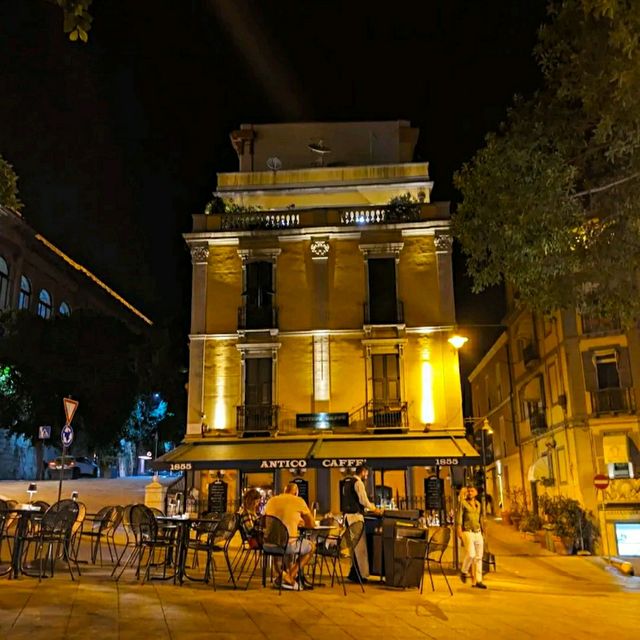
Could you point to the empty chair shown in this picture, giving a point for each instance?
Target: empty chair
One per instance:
(438, 543)
(53, 538)
(100, 526)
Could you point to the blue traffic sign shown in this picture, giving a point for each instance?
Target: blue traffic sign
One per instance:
(66, 435)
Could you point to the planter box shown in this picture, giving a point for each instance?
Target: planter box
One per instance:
(529, 535)
(561, 546)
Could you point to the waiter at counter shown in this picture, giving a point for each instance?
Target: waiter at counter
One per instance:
(355, 503)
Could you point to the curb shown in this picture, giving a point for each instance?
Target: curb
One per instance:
(623, 566)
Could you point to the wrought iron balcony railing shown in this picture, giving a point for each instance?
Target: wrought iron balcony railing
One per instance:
(612, 401)
(255, 317)
(251, 418)
(383, 315)
(538, 422)
(381, 415)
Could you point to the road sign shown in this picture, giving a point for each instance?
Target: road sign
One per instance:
(44, 432)
(66, 435)
(600, 481)
(70, 407)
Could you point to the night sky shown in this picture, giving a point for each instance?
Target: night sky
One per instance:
(117, 142)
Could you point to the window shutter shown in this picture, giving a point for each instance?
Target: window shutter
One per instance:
(624, 367)
(590, 377)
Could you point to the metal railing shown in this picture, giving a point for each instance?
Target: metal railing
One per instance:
(257, 418)
(612, 401)
(381, 415)
(538, 422)
(255, 317)
(592, 324)
(373, 315)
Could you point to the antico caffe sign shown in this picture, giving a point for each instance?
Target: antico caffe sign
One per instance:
(284, 464)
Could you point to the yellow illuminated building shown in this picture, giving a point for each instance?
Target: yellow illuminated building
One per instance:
(560, 396)
(320, 317)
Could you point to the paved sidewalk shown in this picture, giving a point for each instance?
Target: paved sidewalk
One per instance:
(534, 594)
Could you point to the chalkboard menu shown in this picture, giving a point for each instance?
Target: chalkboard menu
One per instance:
(433, 491)
(303, 488)
(217, 497)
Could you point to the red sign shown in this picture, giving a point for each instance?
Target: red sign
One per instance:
(600, 481)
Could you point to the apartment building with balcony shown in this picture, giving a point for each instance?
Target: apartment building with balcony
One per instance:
(320, 316)
(561, 395)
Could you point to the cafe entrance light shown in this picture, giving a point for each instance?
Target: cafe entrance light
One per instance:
(457, 341)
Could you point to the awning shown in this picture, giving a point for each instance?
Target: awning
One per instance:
(379, 452)
(237, 454)
(397, 452)
(539, 470)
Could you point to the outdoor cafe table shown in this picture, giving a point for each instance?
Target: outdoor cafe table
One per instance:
(183, 528)
(24, 514)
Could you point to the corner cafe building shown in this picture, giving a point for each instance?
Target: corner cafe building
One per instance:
(400, 465)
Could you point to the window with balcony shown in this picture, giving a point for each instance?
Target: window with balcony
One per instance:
(533, 405)
(608, 379)
(4, 284)
(258, 412)
(593, 324)
(387, 408)
(24, 299)
(383, 305)
(258, 311)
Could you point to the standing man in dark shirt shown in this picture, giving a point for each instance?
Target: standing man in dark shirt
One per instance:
(356, 503)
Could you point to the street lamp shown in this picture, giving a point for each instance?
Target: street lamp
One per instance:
(457, 341)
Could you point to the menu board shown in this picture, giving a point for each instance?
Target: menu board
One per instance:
(217, 502)
(433, 491)
(303, 488)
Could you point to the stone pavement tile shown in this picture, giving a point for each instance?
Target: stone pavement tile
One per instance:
(328, 632)
(149, 612)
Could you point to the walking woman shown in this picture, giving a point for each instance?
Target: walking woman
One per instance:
(470, 528)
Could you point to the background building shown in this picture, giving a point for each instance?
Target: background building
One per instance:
(559, 394)
(321, 309)
(37, 276)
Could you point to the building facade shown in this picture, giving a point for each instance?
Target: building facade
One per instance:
(37, 276)
(321, 310)
(560, 396)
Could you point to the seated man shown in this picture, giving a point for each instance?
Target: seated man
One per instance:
(292, 511)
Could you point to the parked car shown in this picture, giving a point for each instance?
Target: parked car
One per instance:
(76, 466)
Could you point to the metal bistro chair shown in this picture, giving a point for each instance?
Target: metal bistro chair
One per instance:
(53, 539)
(329, 550)
(219, 542)
(273, 540)
(149, 540)
(101, 524)
(248, 552)
(437, 545)
(4, 520)
(130, 538)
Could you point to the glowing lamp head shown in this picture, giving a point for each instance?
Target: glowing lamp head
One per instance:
(486, 427)
(457, 342)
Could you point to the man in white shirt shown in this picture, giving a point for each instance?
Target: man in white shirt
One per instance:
(292, 511)
(356, 503)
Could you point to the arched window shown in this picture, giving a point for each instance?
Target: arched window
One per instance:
(64, 309)
(4, 283)
(24, 299)
(44, 304)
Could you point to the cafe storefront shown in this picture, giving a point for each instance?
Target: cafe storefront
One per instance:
(401, 465)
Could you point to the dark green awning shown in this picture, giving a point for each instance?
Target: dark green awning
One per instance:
(380, 452)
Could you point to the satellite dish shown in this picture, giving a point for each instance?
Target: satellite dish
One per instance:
(275, 164)
(319, 148)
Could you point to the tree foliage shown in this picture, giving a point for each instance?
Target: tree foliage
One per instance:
(9, 186)
(86, 356)
(551, 203)
(77, 19)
